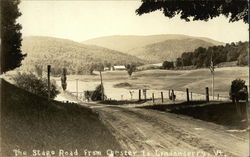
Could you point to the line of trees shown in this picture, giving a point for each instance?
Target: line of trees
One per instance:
(201, 57)
(75, 68)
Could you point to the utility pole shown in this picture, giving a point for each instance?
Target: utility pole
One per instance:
(187, 95)
(77, 88)
(212, 72)
(207, 94)
(102, 85)
(213, 84)
(48, 68)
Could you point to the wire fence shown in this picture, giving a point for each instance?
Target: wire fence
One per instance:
(154, 95)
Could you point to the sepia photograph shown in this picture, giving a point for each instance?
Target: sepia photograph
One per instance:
(124, 78)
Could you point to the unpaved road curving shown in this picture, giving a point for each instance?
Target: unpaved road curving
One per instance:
(154, 133)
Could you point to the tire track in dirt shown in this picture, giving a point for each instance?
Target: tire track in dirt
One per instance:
(151, 131)
(136, 134)
(208, 139)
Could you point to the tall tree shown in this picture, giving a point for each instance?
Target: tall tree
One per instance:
(64, 79)
(235, 10)
(179, 62)
(11, 37)
(187, 58)
(168, 65)
(130, 69)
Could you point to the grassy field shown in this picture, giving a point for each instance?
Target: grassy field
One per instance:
(195, 80)
(31, 122)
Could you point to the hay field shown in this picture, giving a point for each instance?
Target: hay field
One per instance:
(196, 80)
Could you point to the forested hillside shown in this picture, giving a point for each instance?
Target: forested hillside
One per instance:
(168, 50)
(77, 58)
(202, 57)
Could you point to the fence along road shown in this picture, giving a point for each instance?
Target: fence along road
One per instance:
(125, 94)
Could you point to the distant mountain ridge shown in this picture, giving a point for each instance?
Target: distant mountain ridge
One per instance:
(127, 42)
(167, 50)
(78, 57)
(72, 55)
(144, 47)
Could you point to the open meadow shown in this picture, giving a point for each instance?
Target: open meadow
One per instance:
(117, 84)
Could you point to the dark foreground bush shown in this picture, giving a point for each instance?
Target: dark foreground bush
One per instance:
(98, 93)
(95, 95)
(33, 84)
(238, 90)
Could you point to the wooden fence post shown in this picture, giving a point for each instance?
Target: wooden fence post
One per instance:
(246, 106)
(153, 97)
(207, 94)
(162, 97)
(172, 91)
(246, 94)
(48, 68)
(187, 95)
(139, 95)
(173, 96)
(145, 94)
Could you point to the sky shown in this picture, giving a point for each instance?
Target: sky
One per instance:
(82, 20)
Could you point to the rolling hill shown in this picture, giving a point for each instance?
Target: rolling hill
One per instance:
(66, 53)
(153, 48)
(168, 50)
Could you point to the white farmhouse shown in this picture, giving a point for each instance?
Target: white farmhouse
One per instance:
(106, 68)
(118, 67)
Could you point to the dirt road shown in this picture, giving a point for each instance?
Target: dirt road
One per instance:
(153, 133)
(143, 132)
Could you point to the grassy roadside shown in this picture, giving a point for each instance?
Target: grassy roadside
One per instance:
(219, 112)
(31, 122)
